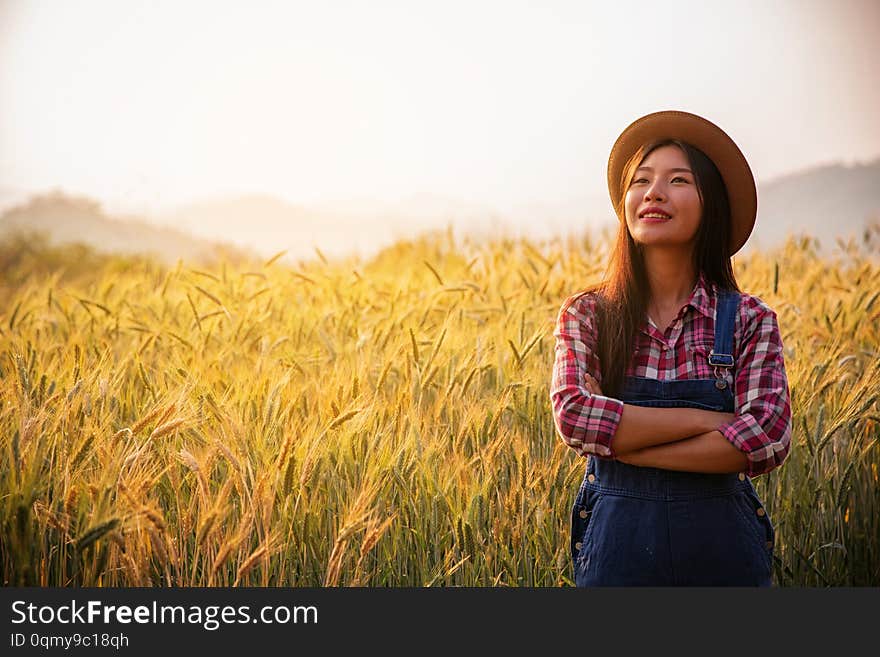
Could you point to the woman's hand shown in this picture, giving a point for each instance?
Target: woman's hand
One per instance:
(591, 384)
(594, 389)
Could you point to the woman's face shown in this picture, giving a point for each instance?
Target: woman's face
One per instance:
(663, 185)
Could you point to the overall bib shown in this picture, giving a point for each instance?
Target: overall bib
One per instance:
(635, 526)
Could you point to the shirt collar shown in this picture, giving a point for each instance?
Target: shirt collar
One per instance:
(701, 296)
(701, 299)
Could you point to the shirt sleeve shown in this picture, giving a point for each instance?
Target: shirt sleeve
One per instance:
(762, 428)
(584, 421)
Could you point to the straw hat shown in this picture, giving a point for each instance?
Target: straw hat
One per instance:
(709, 138)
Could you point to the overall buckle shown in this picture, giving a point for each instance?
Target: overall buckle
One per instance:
(720, 360)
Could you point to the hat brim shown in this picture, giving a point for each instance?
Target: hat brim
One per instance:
(709, 138)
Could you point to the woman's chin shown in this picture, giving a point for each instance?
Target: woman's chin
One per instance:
(647, 242)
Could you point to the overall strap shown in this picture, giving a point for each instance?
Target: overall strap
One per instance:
(721, 355)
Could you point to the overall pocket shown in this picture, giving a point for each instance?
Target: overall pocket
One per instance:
(757, 520)
(698, 358)
(582, 520)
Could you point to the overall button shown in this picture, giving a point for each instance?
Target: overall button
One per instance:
(760, 511)
(578, 546)
(741, 476)
(583, 513)
(591, 478)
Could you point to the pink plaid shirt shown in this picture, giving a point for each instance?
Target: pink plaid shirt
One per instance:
(762, 428)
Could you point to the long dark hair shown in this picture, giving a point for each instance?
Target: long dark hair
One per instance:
(622, 296)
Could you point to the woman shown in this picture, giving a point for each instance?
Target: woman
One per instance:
(669, 377)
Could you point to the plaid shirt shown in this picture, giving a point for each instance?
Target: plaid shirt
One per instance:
(762, 428)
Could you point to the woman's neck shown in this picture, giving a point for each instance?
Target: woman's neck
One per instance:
(671, 277)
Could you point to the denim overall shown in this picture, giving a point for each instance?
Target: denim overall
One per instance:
(635, 526)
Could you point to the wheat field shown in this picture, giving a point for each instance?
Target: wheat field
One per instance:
(372, 422)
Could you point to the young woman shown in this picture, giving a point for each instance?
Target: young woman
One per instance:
(668, 377)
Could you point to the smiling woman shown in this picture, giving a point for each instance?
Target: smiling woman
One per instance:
(666, 498)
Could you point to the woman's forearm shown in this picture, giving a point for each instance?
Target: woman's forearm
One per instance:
(642, 427)
(708, 452)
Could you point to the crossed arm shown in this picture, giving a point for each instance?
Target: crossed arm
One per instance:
(674, 439)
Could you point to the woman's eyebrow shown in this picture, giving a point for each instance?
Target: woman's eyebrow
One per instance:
(668, 170)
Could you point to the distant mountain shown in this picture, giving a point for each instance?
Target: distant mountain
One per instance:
(827, 202)
(422, 207)
(65, 218)
(339, 228)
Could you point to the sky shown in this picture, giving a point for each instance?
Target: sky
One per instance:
(147, 105)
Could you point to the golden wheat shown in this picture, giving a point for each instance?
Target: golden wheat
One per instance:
(380, 422)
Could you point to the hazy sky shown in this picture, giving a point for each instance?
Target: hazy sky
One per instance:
(149, 104)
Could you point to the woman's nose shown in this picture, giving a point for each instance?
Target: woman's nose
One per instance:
(654, 191)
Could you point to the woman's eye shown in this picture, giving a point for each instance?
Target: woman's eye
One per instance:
(679, 178)
(638, 181)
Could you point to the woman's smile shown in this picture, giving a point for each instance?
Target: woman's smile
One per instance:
(654, 213)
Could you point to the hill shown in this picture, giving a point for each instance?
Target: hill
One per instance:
(828, 202)
(65, 219)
